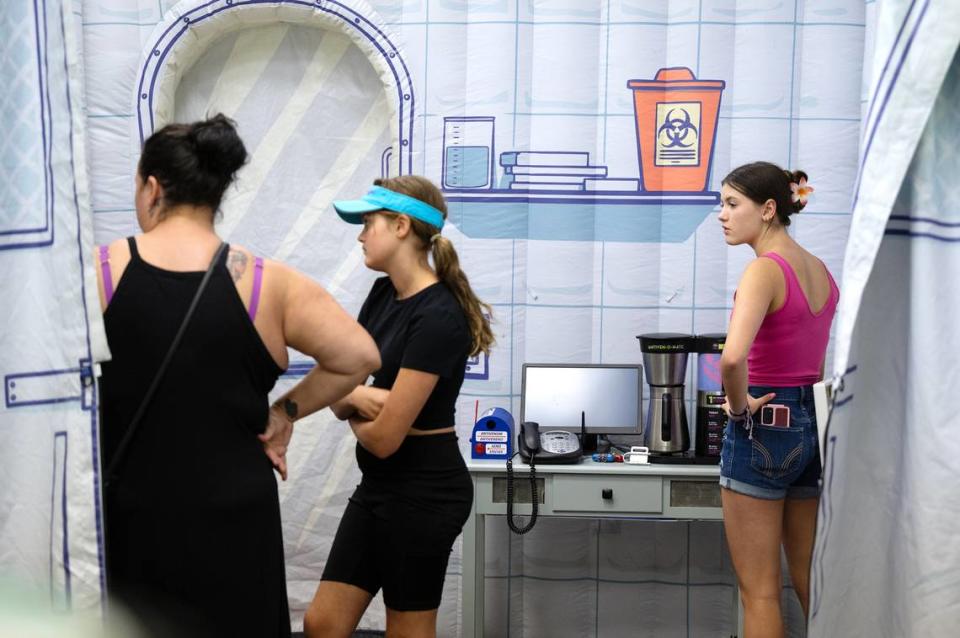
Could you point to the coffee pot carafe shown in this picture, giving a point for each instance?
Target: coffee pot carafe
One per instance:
(665, 366)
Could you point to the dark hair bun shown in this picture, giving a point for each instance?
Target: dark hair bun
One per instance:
(219, 148)
(762, 181)
(194, 162)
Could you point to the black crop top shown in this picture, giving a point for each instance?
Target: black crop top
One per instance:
(427, 331)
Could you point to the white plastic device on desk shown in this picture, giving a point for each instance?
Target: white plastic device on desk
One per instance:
(638, 455)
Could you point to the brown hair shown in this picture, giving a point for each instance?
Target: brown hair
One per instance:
(445, 258)
(761, 181)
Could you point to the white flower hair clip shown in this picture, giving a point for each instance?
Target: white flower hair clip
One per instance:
(800, 192)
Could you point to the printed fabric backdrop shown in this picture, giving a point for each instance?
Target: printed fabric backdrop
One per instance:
(582, 204)
(51, 336)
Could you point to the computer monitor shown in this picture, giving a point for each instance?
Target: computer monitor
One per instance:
(609, 396)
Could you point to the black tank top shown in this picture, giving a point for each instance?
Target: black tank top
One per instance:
(213, 397)
(193, 518)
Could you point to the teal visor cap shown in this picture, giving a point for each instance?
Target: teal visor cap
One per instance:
(380, 198)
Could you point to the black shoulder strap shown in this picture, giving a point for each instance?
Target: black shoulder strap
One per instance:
(134, 251)
(111, 473)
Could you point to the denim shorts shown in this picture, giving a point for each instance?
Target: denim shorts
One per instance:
(774, 462)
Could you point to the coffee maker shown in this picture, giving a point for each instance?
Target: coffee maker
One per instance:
(711, 417)
(665, 366)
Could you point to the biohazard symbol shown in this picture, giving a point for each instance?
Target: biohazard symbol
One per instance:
(677, 130)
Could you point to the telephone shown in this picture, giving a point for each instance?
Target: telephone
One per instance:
(551, 447)
(555, 446)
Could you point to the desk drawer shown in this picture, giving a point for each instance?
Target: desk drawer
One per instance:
(585, 493)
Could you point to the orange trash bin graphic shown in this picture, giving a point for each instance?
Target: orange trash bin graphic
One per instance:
(676, 128)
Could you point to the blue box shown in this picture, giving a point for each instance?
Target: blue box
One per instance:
(492, 436)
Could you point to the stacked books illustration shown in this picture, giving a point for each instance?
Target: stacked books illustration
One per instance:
(558, 171)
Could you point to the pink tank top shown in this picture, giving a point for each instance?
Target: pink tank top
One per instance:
(791, 344)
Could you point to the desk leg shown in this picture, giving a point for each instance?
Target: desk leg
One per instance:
(473, 575)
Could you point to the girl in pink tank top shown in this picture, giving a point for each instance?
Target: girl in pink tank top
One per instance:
(789, 347)
(774, 352)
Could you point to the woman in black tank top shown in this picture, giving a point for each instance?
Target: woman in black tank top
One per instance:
(401, 522)
(194, 544)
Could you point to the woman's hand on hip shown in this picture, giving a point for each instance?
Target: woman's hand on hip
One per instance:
(276, 438)
(752, 403)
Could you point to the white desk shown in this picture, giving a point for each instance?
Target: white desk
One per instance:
(687, 492)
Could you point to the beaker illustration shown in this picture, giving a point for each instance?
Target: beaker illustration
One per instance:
(468, 152)
(676, 127)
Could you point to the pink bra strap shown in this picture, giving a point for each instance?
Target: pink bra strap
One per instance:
(257, 281)
(105, 270)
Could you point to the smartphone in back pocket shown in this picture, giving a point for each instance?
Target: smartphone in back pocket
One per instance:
(775, 415)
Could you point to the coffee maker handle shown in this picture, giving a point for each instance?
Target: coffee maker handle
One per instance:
(666, 416)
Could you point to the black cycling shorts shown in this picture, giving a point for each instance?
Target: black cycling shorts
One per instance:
(399, 527)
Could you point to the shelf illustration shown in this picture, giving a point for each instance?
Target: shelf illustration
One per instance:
(563, 195)
(468, 152)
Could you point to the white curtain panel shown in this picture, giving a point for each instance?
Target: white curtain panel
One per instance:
(891, 454)
(51, 337)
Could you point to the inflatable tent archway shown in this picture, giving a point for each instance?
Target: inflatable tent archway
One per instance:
(192, 26)
(320, 116)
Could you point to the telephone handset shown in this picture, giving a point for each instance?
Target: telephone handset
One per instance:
(529, 439)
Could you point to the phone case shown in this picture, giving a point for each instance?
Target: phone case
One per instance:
(775, 415)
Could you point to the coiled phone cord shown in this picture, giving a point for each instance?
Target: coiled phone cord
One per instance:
(534, 501)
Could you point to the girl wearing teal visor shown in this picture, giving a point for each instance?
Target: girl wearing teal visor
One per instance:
(401, 522)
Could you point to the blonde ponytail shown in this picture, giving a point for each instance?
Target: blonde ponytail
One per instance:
(445, 258)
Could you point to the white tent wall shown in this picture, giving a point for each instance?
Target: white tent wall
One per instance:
(891, 470)
(571, 280)
(50, 332)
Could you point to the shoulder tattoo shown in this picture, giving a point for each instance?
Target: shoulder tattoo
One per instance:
(236, 264)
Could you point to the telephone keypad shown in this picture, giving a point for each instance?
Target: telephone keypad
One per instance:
(559, 442)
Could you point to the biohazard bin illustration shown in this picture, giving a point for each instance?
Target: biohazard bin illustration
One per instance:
(676, 128)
